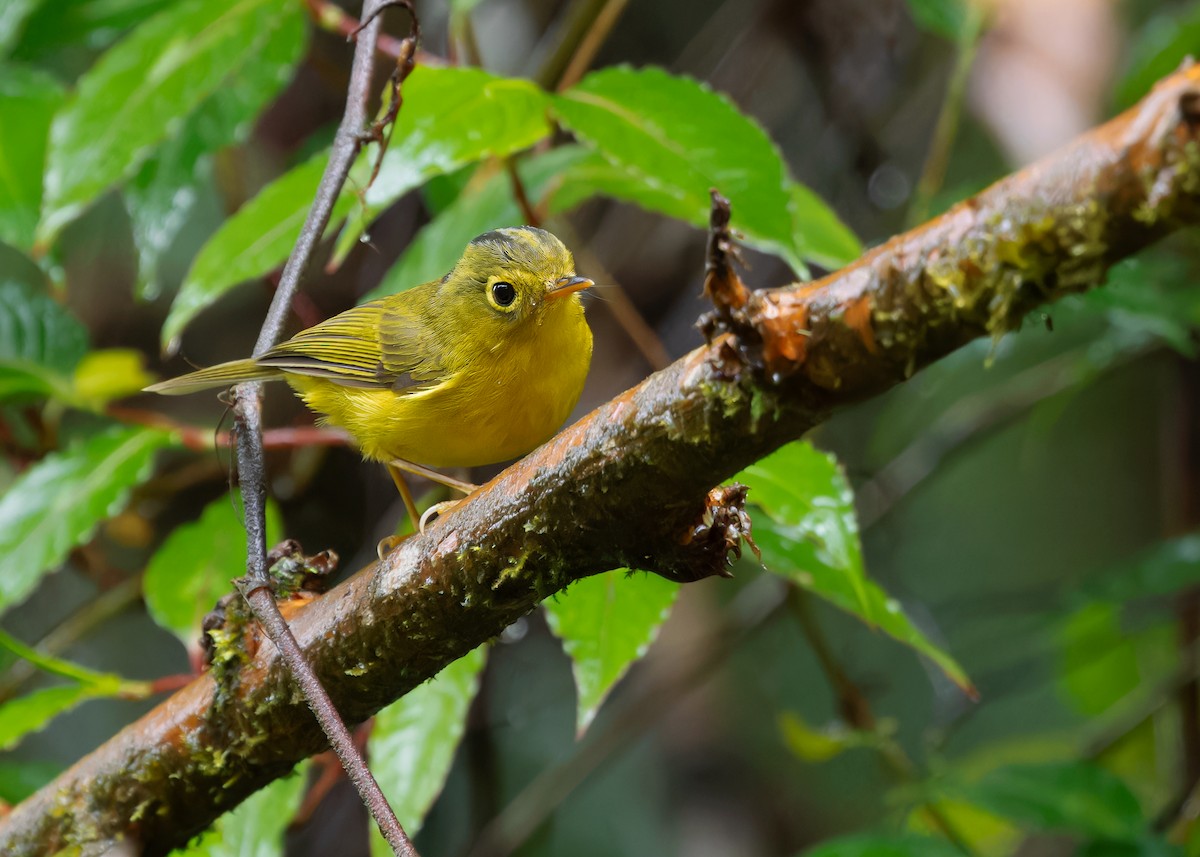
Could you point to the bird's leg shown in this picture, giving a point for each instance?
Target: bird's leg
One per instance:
(410, 504)
(432, 475)
(396, 465)
(387, 544)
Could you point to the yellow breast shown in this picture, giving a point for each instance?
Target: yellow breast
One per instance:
(506, 400)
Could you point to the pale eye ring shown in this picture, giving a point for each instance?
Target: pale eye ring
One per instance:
(503, 294)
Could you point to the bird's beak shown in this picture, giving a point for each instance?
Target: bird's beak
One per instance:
(568, 286)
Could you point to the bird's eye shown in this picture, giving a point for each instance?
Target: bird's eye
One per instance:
(503, 294)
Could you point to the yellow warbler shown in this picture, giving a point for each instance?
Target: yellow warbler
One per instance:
(478, 367)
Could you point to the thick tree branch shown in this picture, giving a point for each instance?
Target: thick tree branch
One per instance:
(631, 483)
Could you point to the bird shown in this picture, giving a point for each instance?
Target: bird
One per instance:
(478, 367)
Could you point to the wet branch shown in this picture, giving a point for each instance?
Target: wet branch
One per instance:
(631, 484)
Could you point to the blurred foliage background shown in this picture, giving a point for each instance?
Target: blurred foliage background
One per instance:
(1027, 507)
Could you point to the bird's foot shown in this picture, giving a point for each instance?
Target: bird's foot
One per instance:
(388, 544)
(435, 511)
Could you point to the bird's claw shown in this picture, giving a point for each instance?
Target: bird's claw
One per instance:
(435, 510)
(388, 544)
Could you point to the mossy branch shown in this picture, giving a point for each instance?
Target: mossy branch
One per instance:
(632, 483)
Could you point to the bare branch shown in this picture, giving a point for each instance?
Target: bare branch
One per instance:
(631, 484)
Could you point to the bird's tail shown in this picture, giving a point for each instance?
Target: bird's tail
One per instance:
(221, 375)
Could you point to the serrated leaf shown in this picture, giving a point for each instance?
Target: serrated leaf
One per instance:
(676, 138)
(810, 536)
(439, 244)
(28, 100)
(194, 566)
(451, 117)
(606, 622)
(18, 780)
(161, 196)
(255, 240)
(40, 344)
(1077, 797)
(57, 503)
(879, 845)
(256, 827)
(138, 93)
(414, 739)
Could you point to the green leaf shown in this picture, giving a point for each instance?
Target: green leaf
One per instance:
(810, 536)
(1063, 796)
(139, 92)
(879, 845)
(162, 194)
(1098, 663)
(819, 235)
(451, 117)
(675, 139)
(810, 744)
(1154, 294)
(606, 622)
(57, 503)
(31, 712)
(1169, 567)
(40, 344)
(255, 240)
(1159, 47)
(57, 666)
(18, 780)
(108, 374)
(477, 209)
(1144, 846)
(256, 827)
(946, 18)
(194, 566)
(413, 741)
(28, 99)
(72, 25)
(13, 14)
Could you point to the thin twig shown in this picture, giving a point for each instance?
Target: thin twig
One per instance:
(247, 412)
(202, 439)
(566, 40)
(601, 26)
(855, 710)
(934, 171)
(334, 19)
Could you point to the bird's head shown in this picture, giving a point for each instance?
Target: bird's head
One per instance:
(517, 273)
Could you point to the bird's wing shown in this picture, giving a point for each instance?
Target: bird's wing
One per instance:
(382, 344)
